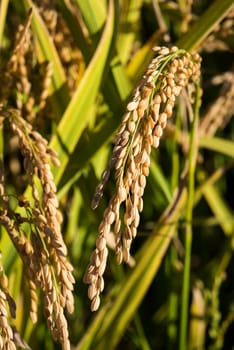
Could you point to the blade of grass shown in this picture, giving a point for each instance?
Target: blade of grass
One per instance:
(127, 35)
(73, 217)
(93, 141)
(212, 179)
(208, 20)
(142, 340)
(218, 145)
(93, 13)
(86, 341)
(158, 181)
(220, 209)
(76, 115)
(117, 87)
(75, 28)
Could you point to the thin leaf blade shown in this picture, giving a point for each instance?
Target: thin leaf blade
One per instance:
(76, 115)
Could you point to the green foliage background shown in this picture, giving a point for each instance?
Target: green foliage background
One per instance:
(142, 306)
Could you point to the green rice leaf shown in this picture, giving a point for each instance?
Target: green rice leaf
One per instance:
(219, 208)
(206, 23)
(93, 13)
(131, 15)
(77, 115)
(218, 145)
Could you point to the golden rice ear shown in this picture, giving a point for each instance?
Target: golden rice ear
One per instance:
(7, 335)
(18, 75)
(141, 129)
(17, 69)
(10, 338)
(41, 248)
(35, 229)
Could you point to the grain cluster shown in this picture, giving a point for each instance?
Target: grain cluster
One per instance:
(34, 226)
(35, 229)
(6, 334)
(19, 82)
(141, 129)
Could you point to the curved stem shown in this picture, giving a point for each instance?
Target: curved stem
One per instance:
(188, 229)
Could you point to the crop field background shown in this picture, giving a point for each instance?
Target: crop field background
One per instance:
(116, 174)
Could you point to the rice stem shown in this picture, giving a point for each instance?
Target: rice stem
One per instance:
(188, 228)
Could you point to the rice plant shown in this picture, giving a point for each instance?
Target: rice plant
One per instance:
(116, 171)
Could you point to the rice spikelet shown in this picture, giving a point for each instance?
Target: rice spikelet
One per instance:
(141, 129)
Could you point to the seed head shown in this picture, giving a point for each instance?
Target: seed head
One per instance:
(141, 129)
